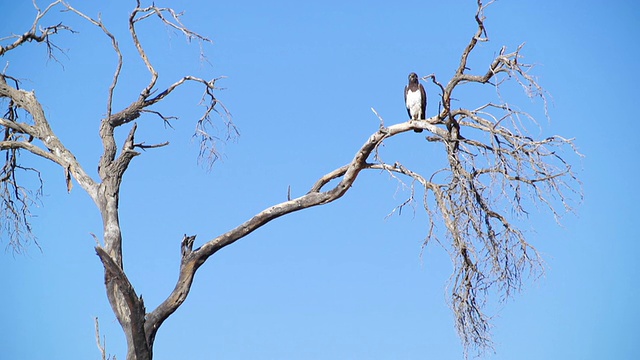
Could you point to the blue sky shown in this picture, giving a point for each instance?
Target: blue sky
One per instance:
(339, 281)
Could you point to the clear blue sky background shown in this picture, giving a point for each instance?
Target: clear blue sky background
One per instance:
(339, 281)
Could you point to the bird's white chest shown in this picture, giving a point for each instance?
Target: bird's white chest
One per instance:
(414, 104)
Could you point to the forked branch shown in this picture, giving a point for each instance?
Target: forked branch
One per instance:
(40, 35)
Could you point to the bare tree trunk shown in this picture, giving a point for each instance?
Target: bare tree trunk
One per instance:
(126, 304)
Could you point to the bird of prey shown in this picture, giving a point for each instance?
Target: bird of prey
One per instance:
(415, 99)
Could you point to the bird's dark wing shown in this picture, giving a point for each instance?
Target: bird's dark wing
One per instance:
(423, 104)
(406, 90)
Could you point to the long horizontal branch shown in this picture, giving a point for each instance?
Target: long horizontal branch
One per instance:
(16, 126)
(32, 149)
(192, 260)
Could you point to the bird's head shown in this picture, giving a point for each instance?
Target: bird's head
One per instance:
(413, 78)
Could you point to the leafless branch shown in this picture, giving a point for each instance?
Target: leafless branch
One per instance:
(41, 35)
(16, 200)
(102, 344)
(501, 170)
(116, 48)
(19, 131)
(208, 141)
(144, 146)
(204, 127)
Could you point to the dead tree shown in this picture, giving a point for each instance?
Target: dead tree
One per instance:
(495, 171)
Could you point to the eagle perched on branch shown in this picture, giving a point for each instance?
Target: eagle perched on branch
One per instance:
(415, 99)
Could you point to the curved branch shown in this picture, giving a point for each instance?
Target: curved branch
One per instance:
(116, 48)
(480, 35)
(32, 34)
(4, 145)
(192, 260)
(139, 14)
(143, 55)
(41, 130)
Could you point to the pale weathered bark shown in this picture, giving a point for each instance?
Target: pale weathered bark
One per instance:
(487, 251)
